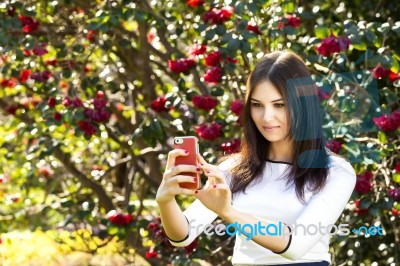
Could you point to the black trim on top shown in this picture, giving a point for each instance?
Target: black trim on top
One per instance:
(268, 160)
(290, 240)
(182, 239)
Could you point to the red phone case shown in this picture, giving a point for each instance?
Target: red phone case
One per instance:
(190, 144)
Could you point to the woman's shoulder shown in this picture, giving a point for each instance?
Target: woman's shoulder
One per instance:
(341, 168)
(227, 162)
(336, 160)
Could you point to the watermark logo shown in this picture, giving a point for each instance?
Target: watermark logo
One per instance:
(372, 230)
(251, 230)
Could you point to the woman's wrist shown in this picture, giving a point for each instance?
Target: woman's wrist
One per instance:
(228, 215)
(165, 201)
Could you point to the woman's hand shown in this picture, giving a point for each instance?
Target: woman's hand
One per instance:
(216, 196)
(169, 186)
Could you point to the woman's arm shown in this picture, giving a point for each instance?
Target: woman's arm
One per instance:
(323, 209)
(195, 218)
(277, 244)
(173, 220)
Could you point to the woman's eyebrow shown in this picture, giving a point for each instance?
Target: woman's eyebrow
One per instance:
(271, 101)
(280, 99)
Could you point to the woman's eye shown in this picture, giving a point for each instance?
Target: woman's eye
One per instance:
(279, 105)
(255, 104)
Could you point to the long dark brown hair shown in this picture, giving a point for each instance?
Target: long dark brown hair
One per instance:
(309, 169)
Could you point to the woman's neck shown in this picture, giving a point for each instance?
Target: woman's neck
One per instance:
(280, 151)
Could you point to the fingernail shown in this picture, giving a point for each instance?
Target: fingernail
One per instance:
(215, 186)
(196, 192)
(198, 169)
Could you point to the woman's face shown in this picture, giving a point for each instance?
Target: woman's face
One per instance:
(269, 112)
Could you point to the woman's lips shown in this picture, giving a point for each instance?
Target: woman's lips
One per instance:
(270, 128)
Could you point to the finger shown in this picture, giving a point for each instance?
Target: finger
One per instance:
(204, 192)
(217, 175)
(172, 156)
(221, 186)
(186, 191)
(182, 178)
(202, 161)
(204, 165)
(209, 183)
(183, 168)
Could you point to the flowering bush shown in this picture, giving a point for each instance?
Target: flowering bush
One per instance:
(92, 93)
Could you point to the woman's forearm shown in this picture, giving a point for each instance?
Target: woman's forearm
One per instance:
(173, 220)
(275, 243)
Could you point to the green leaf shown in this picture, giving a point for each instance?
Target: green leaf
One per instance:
(66, 203)
(217, 91)
(365, 203)
(365, 56)
(78, 48)
(131, 208)
(386, 203)
(93, 25)
(210, 34)
(46, 152)
(112, 230)
(114, 21)
(289, 30)
(202, 27)
(243, 25)
(396, 28)
(390, 96)
(226, 38)
(321, 32)
(141, 16)
(395, 66)
(370, 36)
(252, 7)
(239, 8)
(247, 35)
(246, 48)
(384, 28)
(374, 155)
(374, 210)
(233, 45)
(182, 84)
(104, 28)
(221, 30)
(67, 73)
(289, 7)
(361, 46)
(382, 137)
(79, 115)
(396, 177)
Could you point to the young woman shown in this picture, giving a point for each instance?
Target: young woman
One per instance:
(283, 178)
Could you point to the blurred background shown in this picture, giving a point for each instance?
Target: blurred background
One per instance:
(93, 92)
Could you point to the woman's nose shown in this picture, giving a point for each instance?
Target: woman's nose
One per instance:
(268, 114)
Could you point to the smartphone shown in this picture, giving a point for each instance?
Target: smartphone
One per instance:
(189, 143)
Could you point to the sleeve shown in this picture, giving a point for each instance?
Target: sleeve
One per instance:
(322, 210)
(198, 216)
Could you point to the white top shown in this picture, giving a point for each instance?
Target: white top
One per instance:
(271, 199)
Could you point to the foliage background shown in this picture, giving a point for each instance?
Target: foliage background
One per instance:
(91, 98)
